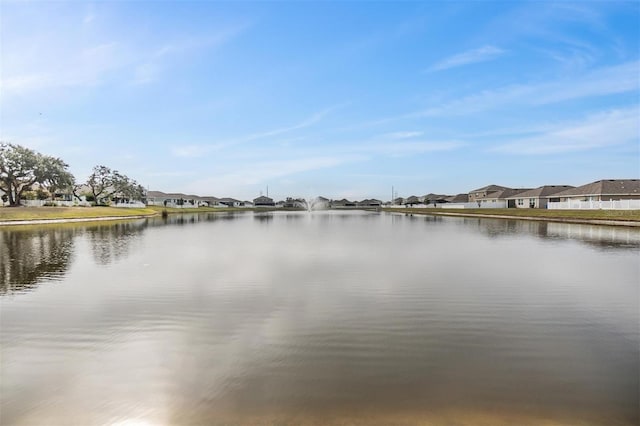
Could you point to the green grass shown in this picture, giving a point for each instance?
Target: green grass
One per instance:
(41, 213)
(38, 213)
(624, 215)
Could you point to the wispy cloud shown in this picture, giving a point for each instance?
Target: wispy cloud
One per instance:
(258, 173)
(482, 54)
(599, 82)
(201, 150)
(400, 149)
(71, 55)
(600, 130)
(403, 135)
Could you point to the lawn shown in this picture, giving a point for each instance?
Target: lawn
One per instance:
(624, 215)
(38, 213)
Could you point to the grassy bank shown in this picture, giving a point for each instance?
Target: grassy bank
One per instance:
(12, 214)
(612, 215)
(41, 213)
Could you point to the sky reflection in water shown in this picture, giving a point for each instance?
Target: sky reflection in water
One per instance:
(310, 318)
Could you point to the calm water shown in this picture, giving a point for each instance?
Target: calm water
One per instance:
(329, 317)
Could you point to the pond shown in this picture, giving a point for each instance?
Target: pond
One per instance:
(319, 318)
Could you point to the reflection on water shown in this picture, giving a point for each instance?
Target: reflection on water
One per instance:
(112, 242)
(336, 317)
(598, 236)
(29, 255)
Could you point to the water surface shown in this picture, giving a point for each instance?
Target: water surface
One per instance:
(328, 317)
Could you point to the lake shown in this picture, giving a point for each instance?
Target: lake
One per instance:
(316, 318)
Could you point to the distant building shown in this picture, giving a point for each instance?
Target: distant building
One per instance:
(159, 198)
(494, 196)
(263, 201)
(231, 202)
(342, 203)
(603, 190)
(480, 193)
(537, 198)
(606, 194)
(370, 203)
(435, 199)
(460, 198)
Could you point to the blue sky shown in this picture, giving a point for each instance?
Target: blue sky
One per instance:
(341, 99)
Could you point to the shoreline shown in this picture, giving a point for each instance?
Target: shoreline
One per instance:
(580, 221)
(74, 219)
(599, 222)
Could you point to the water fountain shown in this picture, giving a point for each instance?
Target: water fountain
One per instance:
(316, 203)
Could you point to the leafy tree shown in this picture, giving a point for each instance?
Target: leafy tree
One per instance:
(21, 168)
(106, 183)
(103, 183)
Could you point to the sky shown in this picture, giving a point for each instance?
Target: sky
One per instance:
(339, 99)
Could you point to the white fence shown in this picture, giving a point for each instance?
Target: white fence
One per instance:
(595, 205)
(174, 205)
(130, 205)
(492, 204)
(57, 203)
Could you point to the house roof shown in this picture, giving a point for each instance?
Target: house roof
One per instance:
(342, 202)
(605, 187)
(505, 193)
(210, 199)
(264, 198)
(490, 188)
(460, 198)
(411, 199)
(433, 196)
(542, 191)
(177, 195)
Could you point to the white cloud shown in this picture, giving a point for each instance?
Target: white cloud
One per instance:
(245, 177)
(399, 149)
(403, 135)
(482, 54)
(600, 82)
(605, 129)
(89, 18)
(145, 73)
(63, 53)
(201, 150)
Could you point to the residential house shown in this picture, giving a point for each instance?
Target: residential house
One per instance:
(460, 198)
(494, 196)
(435, 199)
(537, 198)
(263, 201)
(398, 201)
(480, 193)
(159, 198)
(370, 203)
(342, 203)
(295, 203)
(209, 202)
(231, 202)
(602, 194)
(502, 198)
(411, 201)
